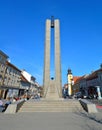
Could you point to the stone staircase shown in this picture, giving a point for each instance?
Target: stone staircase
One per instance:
(45, 105)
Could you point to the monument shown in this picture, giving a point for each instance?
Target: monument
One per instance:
(52, 86)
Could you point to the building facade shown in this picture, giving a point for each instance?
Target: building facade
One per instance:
(76, 84)
(90, 84)
(24, 85)
(3, 60)
(33, 86)
(11, 83)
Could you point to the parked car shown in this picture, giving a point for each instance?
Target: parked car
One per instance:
(78, 95)
(85, 96)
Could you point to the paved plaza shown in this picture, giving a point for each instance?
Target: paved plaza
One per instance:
(51, 121)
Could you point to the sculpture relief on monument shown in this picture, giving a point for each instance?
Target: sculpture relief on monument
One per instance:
(52, 86)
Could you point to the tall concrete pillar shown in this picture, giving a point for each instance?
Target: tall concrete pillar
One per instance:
(58, 79)
(46, 77)
(52, 88)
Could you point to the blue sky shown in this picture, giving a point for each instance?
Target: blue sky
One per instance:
(22, 34)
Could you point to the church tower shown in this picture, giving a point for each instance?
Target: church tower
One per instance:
(70, 81)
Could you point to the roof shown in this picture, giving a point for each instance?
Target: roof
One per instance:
(3, 54)
(23, 78)
(13, 66)
(77, 78)
(94, 74)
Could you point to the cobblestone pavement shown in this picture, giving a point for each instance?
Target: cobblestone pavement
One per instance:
(50, 121)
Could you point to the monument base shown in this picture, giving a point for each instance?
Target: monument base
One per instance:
(52, 92)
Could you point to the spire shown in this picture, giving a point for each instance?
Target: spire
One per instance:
(69, 71)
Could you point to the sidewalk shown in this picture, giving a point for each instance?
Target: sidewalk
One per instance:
(50, 121)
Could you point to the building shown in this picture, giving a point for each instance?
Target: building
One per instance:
(90, 84)
(73, 83)
(24, 85)
(70, 81)
(3, 60)
(11, 83)
(76, 84)
(34, 86)
(94, 83)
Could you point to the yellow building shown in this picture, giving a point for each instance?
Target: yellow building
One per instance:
(70, 81)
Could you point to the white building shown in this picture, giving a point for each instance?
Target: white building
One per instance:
(34, 86)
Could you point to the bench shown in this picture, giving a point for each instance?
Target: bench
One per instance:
(88, 106)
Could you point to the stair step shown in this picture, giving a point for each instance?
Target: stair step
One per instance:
(51, 106)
